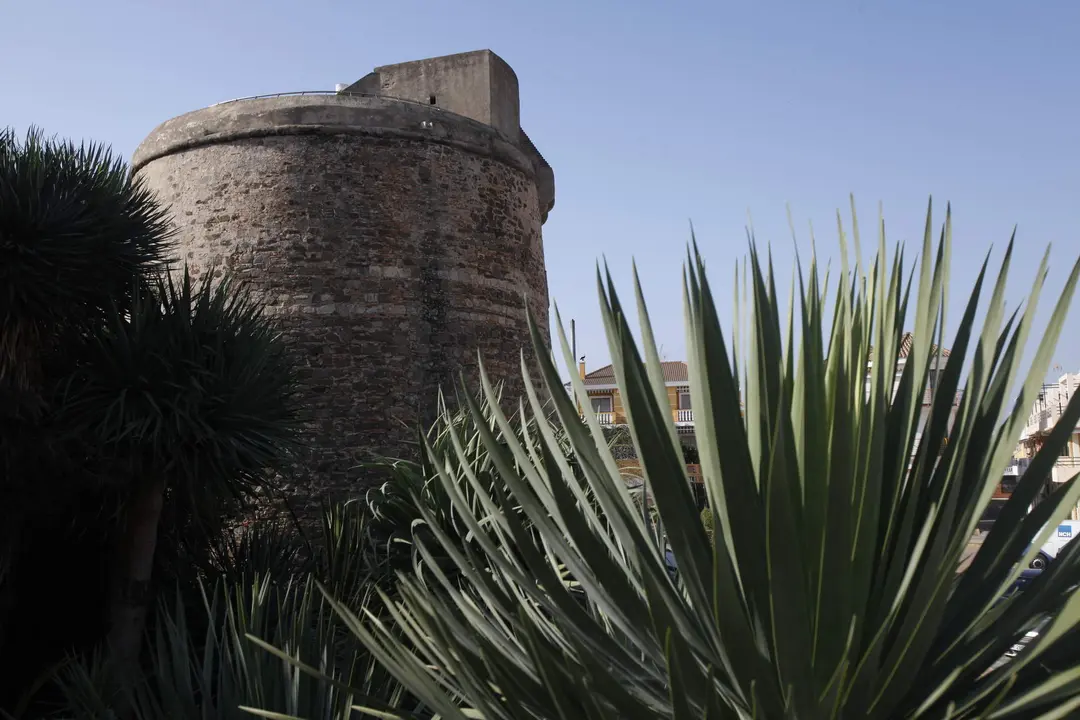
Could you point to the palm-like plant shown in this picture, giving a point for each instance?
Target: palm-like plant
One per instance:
(77, 233)
(829, 587)
(186, 398)
(75, 230)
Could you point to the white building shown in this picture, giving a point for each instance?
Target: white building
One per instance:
(1044, 416)
(937, 367)
(1045, 413)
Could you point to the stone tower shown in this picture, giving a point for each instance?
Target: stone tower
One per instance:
(394, 225)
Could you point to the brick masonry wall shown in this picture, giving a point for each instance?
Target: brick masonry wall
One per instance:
(391, 261)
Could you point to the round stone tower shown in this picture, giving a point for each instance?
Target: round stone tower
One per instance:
(394, 225)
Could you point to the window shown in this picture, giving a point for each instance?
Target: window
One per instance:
(431, 100)
(601, 404)
(684, 401)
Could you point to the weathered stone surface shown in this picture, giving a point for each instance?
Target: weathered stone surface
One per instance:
(393, 251)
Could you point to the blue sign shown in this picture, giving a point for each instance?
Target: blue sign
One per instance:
(1064, 531)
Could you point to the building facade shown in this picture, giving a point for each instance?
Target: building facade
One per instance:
(936, 368)
(1045, 413)
(606, 400)
(1044, 416)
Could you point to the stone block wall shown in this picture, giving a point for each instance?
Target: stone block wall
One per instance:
(392, 258)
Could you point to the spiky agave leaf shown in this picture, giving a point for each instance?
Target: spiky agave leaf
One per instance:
(396, 507)
(215, 674)
(829, 589)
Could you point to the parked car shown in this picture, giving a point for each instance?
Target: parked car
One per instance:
(1025, 579)
(1019, 585)
(1066, 531)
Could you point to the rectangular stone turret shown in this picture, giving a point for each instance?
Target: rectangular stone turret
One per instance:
(478, 85)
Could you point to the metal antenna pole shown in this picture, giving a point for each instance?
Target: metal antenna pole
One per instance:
(573, 339)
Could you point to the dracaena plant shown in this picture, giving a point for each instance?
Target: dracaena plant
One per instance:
(829, 588)
(75, 228)
(186, 399)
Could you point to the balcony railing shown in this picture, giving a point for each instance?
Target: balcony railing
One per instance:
(1038, 422)
(1017, 466)
(1065, 468)
(682, 417)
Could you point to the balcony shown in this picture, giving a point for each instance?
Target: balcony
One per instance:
(1017, 467)
(1038, 423)
(1064, 469)
(683, 418)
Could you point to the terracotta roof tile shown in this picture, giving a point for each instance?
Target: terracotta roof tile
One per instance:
(675, 371)
(906, 343)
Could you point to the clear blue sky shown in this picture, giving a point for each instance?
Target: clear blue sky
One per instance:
(652, 113)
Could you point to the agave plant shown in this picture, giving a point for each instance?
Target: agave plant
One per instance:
(348, 561)
(403, 508)
(829, 588)
(273, 547)
(212, 676)
(202, 661)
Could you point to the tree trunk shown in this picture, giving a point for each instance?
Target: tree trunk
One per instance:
(131, 588)
(9, 547)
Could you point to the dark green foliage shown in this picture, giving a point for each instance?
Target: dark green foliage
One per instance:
(414, 504)
(77, 234)
(268, 548)
(353, 555)
(195, 383)
(830, 587)
(213, 673)
(76, 231)
(620, 442)
(116, 379)
(261, 582)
